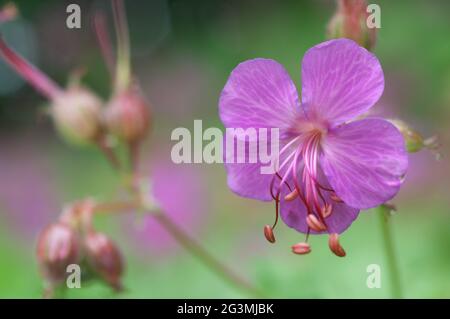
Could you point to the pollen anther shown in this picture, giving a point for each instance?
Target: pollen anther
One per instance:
(268, 233)
(335, 247)
(314, 223)
(301, 249)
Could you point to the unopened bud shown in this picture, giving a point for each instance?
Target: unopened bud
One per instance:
(268, 233)
(335, 247)
(76, 113)
(414, 141)
(8, 12)
(104, 258)
(350, 21)
(56, 249)
(301, 249)
(127, 115)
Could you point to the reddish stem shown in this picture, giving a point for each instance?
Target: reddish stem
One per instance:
(41, 82)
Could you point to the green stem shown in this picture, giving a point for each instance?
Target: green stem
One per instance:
(192, 246)
(197, 250)
(392, 263)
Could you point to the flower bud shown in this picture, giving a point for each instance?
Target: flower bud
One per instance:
(413, 140)
(104, 258)
(8, 12)
(350, 21)
(76, 113)
(127, 115)
(56, 249)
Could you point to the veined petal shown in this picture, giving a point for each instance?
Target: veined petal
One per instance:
(365, 162)
(246, 179)
(340, 80)
(259, 93)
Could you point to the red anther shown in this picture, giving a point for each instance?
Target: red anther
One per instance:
(268, 233)
(336, 198)
(314, 223)
(301, 249)
(291, 196)
(327, 209)
(335, 247)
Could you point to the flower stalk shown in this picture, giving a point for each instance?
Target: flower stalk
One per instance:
(391, 258)
(123, 67)
(191, 245)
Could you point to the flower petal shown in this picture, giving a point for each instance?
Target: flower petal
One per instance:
(259, 93)
(365, 162)
(247, 180)
(293, 214)
(340, 80)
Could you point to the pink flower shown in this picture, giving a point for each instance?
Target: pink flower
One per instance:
(330, 165)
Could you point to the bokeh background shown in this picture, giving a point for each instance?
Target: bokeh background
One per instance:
(183, 52)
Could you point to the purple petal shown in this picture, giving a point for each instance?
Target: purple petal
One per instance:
(294, 214)
(259, 93)
(365, 162)
(247, 180)
(340, 80)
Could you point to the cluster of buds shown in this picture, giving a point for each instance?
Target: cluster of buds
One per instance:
(72, 240)
(78, 113)
(350, 21)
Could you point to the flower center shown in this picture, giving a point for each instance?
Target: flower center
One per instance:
(300, 168)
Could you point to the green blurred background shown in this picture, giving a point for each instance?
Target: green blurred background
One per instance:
(183, 52)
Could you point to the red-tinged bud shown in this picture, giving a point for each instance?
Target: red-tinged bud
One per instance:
(8, 12)
(127, 115)
(350, 21)
(56, 249)
(77, 114)
(104, 258)
(314, 223)
(76, 111)
(268, 233)
(301, 249)
(335, 246)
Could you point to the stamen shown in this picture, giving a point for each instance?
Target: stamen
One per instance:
(301, 249)
(335, 247)
(314, 223)
(268, 233)
(327, 209)
(336, 198)
(291, 196)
